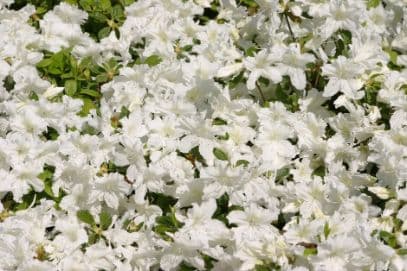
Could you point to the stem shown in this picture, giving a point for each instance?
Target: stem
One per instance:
(289, 27)
(261, 92)
(316, 80)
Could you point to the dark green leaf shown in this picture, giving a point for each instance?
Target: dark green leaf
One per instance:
(219, 121)
(9, 83)
(320, 171)
(388, 238)
(104, 32)
(93, 238)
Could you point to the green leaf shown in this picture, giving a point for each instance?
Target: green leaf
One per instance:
(310, 251)
(163, 201)
(67, 75)
(251, 51)
(186, 267)
(220, 154)
(99, 17)
(90, 92)
(117, 12)
(86, 217)
(402, 251)
(393, 56)
(327, 230)
(249, 3)
(219, 121)
(320, 171)
(127, 2)
(9, 83)
(152, 60)
(44, 63)
(105, 220)
(223, 137)
(167, 223)
(388, 238)
(86, 4)
(70, 87)
(373, 3)
(282, 173)
(267, 267)
(104, 32)
(245, 163)
(93, 238)
(48, 188)
(87, 106)
(46, 174)
(105, 5)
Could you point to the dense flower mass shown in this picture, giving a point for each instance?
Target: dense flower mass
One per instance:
(225, 135)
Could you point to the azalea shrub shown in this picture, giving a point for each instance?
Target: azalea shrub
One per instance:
(226, 135)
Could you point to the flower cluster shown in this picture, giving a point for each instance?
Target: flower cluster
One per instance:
(226, 135)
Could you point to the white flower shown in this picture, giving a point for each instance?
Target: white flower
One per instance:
(343, 76)
(110, 188)
(294, 63)
(261, 65)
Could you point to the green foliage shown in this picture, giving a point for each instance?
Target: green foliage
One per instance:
(104, 16)
(373, 3)
(8, 83)
(167, 223)
(95, 231)
(243, 163)
(310, 251)
(165, 202)
(152, 60)
(64, 70)
(287, 94)
(342, 43)
(282, 174)
(319, 171)
(267, 267)
(50, 134)
(327, 230)
(34, 198)
(86, 217)
(388, 238)
(209, 14)
(41, 7)
(371, 90)
(219, 121)
(221, 155)
(223, 209)
(105, 220)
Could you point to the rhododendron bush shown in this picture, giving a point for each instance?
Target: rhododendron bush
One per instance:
(203, 135)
